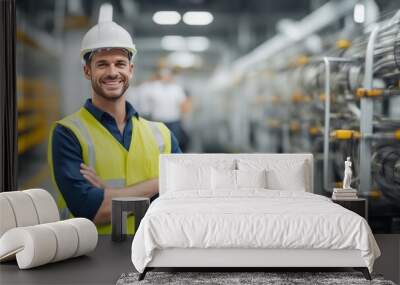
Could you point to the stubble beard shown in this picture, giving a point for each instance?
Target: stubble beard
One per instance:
(99, 91)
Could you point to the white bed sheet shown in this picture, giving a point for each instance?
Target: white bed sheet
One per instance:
(250, 218)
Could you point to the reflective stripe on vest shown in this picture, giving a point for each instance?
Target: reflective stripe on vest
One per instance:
(158, 136)
(92, 158)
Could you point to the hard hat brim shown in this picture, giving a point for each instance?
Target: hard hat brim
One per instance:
(132, 50)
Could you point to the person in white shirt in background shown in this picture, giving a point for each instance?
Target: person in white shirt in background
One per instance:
(167, 103)
(138, 95)
(160, 98)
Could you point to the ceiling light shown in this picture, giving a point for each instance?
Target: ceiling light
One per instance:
(359, 13)
(184, 59)
(198, 18)
(197, 44)
(173, 43)
(166, 17)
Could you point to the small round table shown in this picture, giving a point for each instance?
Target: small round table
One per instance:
(119, 212)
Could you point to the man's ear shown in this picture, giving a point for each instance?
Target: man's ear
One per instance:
(131, 70)
(87, 71)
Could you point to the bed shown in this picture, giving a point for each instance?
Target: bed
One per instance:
(247, 210)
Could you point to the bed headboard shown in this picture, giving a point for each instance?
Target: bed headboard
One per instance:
(216, 157)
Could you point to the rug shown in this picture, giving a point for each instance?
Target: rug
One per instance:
(269, 278)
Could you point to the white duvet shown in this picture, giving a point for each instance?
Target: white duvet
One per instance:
(250, 219)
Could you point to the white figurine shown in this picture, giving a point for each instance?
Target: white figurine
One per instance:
(347, 174)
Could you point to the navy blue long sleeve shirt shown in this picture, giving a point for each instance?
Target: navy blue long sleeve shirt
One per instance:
(82, 198)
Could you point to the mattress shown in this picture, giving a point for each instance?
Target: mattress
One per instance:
(251, 219)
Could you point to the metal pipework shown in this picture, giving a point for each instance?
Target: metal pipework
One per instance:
(327, 63)
(384, 136)
(367, 116)
(312, 23)
(377, 93)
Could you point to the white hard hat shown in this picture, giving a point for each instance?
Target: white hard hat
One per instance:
(107, 34)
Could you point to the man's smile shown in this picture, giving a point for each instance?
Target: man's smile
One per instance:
(112, 83)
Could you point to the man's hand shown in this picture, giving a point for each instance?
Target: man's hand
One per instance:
(91, 176)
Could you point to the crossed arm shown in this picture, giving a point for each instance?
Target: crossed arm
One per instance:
(103, 216)
(84, 192)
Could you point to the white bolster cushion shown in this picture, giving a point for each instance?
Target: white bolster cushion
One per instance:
(26, 208)
(23, 208)
(33, 246)
(87, 235)
(7, 218)
(40, 244)
(45, 205)
(67, 240)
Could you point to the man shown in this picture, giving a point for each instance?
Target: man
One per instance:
(168, 104)
(139, 96)
(106, 149)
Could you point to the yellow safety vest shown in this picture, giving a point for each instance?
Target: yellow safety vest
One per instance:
(115, 165)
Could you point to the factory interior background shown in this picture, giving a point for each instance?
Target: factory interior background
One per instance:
(305, 76)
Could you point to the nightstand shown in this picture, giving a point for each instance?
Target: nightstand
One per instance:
(358, 206)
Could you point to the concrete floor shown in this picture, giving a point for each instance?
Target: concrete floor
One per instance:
(110, 259)
(102, 266)
(389, 262)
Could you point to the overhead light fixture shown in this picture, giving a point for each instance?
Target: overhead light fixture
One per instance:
(359, 13)
(166, 17)
(173, 43)
(179, 43)
(197, 44)
(184, 59)
(198, 18)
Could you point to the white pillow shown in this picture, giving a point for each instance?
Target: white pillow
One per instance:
(223, 179)
(251, 178)
(184, 177)
(282, 174)
(201, 160)
(279, 179)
